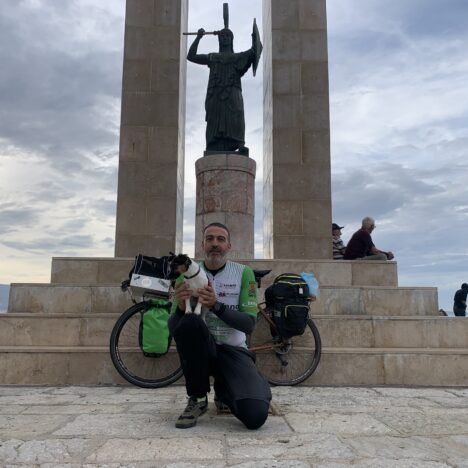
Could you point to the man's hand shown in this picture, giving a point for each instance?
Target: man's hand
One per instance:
(390, 255)
(207, 296)
(182, 293)
(200, 33)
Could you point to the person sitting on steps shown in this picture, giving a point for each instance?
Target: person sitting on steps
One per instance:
(338, 246)
(361, 247)
(217, 345)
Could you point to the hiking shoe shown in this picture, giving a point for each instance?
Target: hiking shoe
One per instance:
(221, 408)
(195, 408)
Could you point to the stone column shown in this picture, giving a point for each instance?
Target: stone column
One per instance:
(226, 194)
(297, 189)
(151, 161)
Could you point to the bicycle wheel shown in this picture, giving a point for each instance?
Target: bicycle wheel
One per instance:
(129, 360)
(286, 362)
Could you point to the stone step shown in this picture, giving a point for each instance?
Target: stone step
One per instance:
(343, 366)
(351, 300)
(91, 270)
(335, 331)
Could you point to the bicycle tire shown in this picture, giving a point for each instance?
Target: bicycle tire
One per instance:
(129, 360)
(299, 361)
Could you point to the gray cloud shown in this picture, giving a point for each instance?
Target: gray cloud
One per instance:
(64, 245)
(11, 219)
(59, 93)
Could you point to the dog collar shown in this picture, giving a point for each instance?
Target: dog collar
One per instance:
(193, 276)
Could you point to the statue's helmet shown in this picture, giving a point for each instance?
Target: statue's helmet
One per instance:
(226, 39)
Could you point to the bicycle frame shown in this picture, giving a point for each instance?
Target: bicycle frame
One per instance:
(271, 345)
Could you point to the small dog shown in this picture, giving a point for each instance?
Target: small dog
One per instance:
(194, 276)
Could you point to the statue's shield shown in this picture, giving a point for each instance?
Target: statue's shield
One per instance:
(257, 47)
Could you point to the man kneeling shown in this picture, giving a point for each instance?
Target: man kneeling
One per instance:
(217, 345)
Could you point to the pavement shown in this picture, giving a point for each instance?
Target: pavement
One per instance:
(330, 427)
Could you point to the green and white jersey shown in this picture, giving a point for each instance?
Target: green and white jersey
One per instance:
(235, 286)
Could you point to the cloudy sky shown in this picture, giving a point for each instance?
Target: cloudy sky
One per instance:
(399, 129)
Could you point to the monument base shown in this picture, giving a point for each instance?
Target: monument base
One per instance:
(226, 194)
(373, 332)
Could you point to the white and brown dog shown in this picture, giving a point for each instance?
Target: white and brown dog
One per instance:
(194, 276)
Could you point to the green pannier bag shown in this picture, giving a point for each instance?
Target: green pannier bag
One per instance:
(154, 337)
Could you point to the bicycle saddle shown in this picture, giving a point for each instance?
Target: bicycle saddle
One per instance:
(259, 274)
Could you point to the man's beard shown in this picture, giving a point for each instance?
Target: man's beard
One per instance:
(216, 255)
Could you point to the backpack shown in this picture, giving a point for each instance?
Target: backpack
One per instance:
(153, 335)
(287, 298)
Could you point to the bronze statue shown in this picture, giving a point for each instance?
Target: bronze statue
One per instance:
(224, 105)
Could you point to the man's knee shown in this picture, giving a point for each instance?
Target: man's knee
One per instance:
(190, 325)
(252, 413)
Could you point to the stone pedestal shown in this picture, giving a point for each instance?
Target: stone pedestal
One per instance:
(226, 194)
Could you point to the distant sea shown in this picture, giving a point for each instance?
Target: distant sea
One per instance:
(4, 292)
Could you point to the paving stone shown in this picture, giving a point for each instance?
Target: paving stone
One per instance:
(395, 448)
(136, 425)
(383, 463)
(456, 445)
(11, 409)
(76, 427)
(38, 399)
(30, 426)
(211, 464)
(184, 448)
(429, 423)
(315, 394)
(105, 465)
(339, 424)
(451, 402)
(17, 390)
(412, 392)
(272, 464)
(458, 463)
(42, 451)
(74, 409)
(82, 390)
(124, 398)
(162, 407)
(288, 446)
(358, 405)
(420, 403)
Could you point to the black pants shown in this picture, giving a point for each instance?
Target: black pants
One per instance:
(237, 382)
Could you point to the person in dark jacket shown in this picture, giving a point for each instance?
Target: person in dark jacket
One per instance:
(459, 301)
(361, 247)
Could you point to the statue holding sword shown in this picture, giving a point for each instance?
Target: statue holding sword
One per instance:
(224, 105)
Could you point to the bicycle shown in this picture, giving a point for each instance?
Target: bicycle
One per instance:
(282, 361)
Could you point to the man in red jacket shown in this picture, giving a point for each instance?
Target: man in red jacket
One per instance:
(361, 247)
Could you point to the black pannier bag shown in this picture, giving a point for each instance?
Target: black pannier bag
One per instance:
(157, 267)
(153, 274)
(288, 299)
